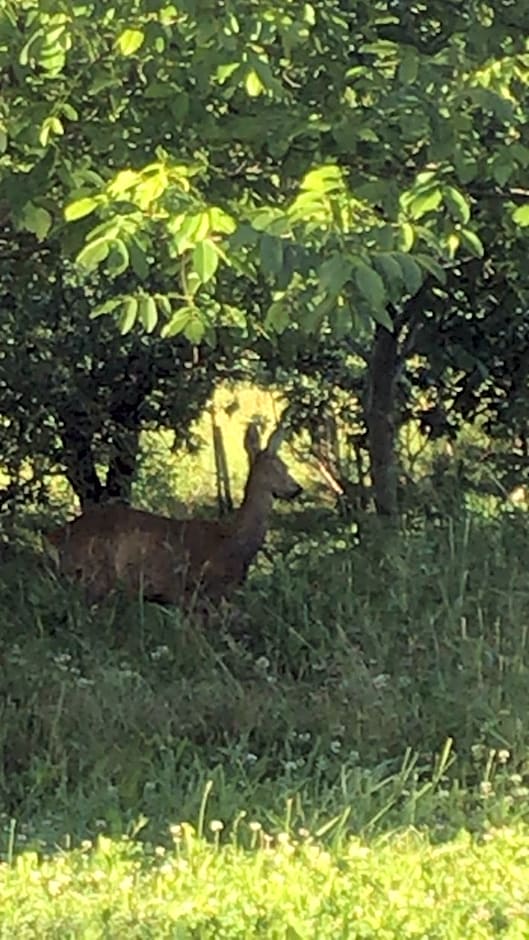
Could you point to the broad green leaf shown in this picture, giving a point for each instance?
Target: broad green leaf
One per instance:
(456, 204)
(149, 189)
(93, 253)
(81, 207)
(452, 244)
(370, 285)
(502, 169)
(122, 182)
(138, 259)
(164, 304)
(127, 318)
(340, 320)
(408, 66)
(195, 329)
(381, 315)
(521, 215)
(130, 41)
(220, 221)
(425, 202)
(277, 317)
(147, 313)
(36, 220)
(178, 321)
(472, 242)
(3, 139)
(413, 276)
(117, 260)
(223, 72)
(324, 179)
(270, 254)
(189, 230)
(406, 236)
(107, 307)
(390, 269)
(253, 84)
(205, 260)
(432, 266)
(334, 272)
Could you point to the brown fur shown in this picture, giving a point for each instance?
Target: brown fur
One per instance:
(168, 560)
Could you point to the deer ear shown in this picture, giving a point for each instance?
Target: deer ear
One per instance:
(275, 440)
(252, 441)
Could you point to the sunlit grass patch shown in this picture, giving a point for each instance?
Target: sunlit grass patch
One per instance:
(287, 886)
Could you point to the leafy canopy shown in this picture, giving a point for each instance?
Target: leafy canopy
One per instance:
(331, 154)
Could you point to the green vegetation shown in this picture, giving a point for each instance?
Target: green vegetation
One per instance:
(401, 887)
(239, 205)
(369, 692)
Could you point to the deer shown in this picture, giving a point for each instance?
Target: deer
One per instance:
(172, 561)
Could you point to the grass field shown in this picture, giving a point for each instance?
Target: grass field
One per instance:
(354, 763)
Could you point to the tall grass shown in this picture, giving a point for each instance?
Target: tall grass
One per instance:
(387, 681)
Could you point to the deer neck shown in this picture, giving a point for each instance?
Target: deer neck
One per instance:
(250, 521)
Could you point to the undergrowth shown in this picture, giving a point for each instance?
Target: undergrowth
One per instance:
(386, 679)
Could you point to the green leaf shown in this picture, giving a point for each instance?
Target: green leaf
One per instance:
(178, 321)
(220, 221)
(118, 258)
(325, 179)
(93, 253)
(472, 242)
(127, 318)
(81, 207)
(334, 272)
(277, 317)
(382, 316)
(271, 254)
(195, 329)
(189, 230)
(457, 204)
(521, 215)
(432, 266)
(130, 41)
(138, 259)
(406, 236)
(36, 220)
(425, 202)
(390, 269)
(107, 307)
(413, 276)
(253, 84)
(205, 260)
(370, 285)
(147, 313)
(408, 66)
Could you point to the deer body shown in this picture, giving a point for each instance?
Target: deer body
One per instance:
(169, 560)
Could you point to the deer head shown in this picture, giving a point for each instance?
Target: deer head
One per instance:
(268, 473)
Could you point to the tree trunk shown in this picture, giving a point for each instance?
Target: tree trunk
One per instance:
(122, 465)
(380, 420)
(76, 435)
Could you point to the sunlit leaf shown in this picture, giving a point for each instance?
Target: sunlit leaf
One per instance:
(178, 321)
(472, 242)
(521, 215)
(147, 313)
(130, 41)
(205, 260)
(93, 253)
(457, 204)
(127, 317)
(81, 207)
